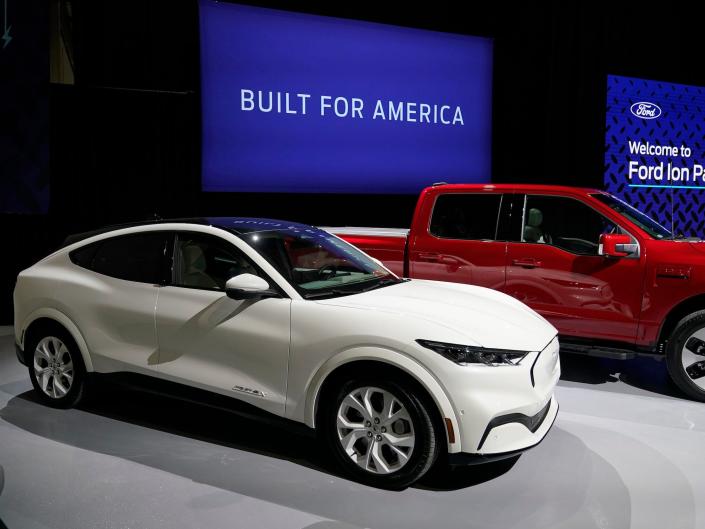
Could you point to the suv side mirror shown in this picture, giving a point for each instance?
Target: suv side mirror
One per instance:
(249, 286)
(617, 245)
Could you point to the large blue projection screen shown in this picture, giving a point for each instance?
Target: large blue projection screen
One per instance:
(310, 104)
(655, 150)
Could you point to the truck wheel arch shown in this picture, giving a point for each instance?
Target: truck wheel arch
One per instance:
(676, 314)
(36, 318)
(393, 360)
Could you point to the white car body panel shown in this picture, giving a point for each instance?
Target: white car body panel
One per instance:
(56, 315)
(279, 351)
(306, 411)
(225, 343)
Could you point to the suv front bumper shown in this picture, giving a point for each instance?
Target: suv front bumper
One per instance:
(543, 421)
(503, 409)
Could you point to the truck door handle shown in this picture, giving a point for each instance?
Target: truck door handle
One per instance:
(429, 257)
(526, 263)
(450, 261)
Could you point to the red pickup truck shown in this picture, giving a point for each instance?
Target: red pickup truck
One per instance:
(614, 282)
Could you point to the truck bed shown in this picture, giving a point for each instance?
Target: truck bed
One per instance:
(386, 244)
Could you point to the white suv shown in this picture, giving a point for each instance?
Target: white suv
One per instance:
(293, 320)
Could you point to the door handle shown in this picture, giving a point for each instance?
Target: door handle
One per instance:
(429, 257)
(448, 260)
(526, 263)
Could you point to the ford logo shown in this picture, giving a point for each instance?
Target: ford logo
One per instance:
(645, 110)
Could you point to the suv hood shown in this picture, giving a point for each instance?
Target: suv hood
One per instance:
(484, 317)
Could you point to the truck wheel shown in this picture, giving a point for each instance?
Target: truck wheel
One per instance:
(685, 355)
(56, 367)
(379, 432)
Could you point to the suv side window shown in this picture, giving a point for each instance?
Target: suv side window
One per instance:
(207, 262)
(138, 257)
(564, 222)
(466, 216)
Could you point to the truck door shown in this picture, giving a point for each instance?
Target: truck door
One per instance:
(460, 242)
(553, 265)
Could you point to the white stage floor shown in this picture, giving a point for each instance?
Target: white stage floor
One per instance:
(626, 452)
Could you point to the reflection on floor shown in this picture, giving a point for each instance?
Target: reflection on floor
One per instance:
(626, 451)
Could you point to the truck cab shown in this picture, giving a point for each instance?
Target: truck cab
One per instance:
(613, 282)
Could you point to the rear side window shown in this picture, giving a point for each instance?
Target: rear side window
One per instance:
(84, 256)
(466, 216)
(140, 257)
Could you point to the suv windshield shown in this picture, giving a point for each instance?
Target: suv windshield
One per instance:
(645, 222)
(316, 263)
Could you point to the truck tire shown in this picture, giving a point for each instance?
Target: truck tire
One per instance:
(685, 355)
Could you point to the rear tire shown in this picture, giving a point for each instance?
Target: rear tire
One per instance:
(379, 432)
(685, 355)
(56, 366)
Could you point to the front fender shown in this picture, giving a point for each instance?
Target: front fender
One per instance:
(63, 319)
(393, 358)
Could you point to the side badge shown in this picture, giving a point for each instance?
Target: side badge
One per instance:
(250, 391)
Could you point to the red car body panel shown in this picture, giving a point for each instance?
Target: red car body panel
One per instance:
(624, 300)
(388, 249)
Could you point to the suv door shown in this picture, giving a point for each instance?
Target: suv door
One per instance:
(118, 299)
(554, 266)
(238, 348)
(461, 243)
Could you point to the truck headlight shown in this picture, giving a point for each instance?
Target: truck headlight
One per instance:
(472, 354)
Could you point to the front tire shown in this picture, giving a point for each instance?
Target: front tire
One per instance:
(379, 432)
(685, 355)
(56, 367)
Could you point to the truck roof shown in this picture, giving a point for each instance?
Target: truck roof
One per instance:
(529, 188)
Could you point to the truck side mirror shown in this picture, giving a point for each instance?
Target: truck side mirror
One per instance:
(617, 245)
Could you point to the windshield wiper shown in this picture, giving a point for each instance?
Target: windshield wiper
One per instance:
(384, 283)
(329, 292)
(341, 292)
(681, 237)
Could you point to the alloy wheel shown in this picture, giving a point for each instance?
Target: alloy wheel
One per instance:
(53, 367)
(693, 357)
(375, 430)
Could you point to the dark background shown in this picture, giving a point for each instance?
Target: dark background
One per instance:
(124, 141)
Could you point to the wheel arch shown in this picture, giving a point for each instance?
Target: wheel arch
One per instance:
(365, 358)
(53, 316)
(676, 314)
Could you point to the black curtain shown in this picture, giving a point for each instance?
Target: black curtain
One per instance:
(125, 139)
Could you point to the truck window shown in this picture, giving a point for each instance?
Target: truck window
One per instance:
(466, 216)
(564, 222)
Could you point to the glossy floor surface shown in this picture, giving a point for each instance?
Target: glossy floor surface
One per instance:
(627, 451)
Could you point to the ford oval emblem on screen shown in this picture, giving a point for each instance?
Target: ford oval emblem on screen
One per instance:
(645, 110)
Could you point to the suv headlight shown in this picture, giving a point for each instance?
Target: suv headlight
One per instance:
(472, 354)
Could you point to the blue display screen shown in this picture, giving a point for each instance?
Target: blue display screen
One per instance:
(655, 150)
(309, 104)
